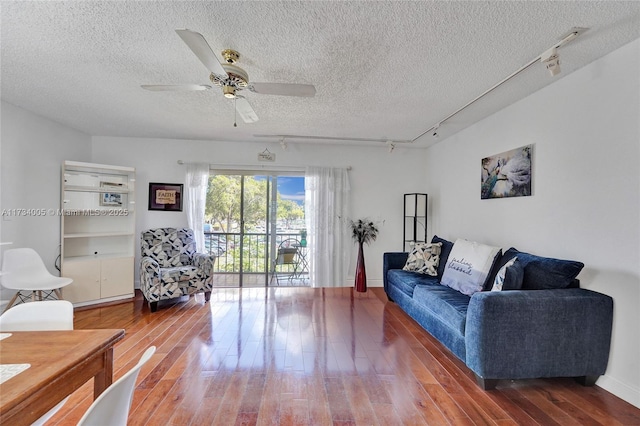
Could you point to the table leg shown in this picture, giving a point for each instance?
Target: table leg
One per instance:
(104, 378)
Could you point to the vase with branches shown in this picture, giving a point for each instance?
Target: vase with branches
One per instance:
(363, 231)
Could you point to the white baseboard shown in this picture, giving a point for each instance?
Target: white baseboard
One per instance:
(620, 389)
(350, 281)
(375, 283)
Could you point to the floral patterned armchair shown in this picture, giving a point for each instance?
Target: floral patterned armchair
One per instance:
(170, 266)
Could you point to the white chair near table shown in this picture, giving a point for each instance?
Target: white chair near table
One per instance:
(38, 316)
(24, 271)
(47, 315)
(113, 405)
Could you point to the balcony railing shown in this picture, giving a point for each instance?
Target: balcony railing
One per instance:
(226, 246)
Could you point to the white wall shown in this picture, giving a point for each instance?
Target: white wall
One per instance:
(586, 190)
(32, 151)
(378, 179)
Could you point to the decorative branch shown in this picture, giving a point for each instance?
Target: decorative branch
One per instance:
(363, 231)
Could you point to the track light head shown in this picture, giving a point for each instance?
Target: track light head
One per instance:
(391, 146)
(435, 131)
(551, 60)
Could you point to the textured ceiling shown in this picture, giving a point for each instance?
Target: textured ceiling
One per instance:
(382, 70)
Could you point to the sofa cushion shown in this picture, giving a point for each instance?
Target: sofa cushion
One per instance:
(544, 272)
(449, 305)
(406, 280)
(445, 250)
(510, 276)
(468, 266)
(424, 258)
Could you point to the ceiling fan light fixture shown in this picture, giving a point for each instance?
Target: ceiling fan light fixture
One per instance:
(230, 77)
(230, 56)
(229, 92)
(236, 77)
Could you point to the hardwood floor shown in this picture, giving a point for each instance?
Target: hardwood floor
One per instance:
(315, 356)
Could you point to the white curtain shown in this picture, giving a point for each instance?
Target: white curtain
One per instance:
(197, 181)
(326, 211)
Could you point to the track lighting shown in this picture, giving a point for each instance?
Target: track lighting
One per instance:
(551, 60)
(435, 131)
(391, 146)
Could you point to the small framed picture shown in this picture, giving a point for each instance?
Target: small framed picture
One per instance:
(112, 185)
(165, 196)
(111, 199)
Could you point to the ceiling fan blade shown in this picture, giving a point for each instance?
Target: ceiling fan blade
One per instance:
(175, 87)
(283, 89)
(245, 110)
(202, 50)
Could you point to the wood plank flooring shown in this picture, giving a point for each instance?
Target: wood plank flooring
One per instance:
(303, 356)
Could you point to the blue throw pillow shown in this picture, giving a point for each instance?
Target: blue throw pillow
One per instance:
(495, 266)
(445, 249)
(509, 277)
(544, 272)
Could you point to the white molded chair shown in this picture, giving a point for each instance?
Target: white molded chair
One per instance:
(23, 270)
(38, 316)
(113, 405)
(47, 315)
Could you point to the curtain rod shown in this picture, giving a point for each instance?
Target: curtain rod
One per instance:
(255, 167)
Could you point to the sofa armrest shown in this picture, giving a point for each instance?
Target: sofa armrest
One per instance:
(538, 333)
(205, 262)
(392, 260)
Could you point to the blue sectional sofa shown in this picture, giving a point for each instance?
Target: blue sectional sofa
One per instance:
(537, 331)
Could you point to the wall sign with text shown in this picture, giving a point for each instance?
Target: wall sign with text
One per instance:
(165, 196)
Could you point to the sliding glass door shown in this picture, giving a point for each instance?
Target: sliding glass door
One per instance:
(248, 217)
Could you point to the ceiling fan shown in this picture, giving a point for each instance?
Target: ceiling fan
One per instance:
(230, 77)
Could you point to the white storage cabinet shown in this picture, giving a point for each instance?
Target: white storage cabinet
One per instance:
(98, 232)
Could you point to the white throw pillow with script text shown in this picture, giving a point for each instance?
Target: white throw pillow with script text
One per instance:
(468, 266)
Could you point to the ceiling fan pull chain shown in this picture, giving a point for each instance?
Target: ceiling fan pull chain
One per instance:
(235, 112)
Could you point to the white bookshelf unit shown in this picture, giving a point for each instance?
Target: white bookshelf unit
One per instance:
(98, 232)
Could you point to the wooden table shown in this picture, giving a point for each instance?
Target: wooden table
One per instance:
(61, 362)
